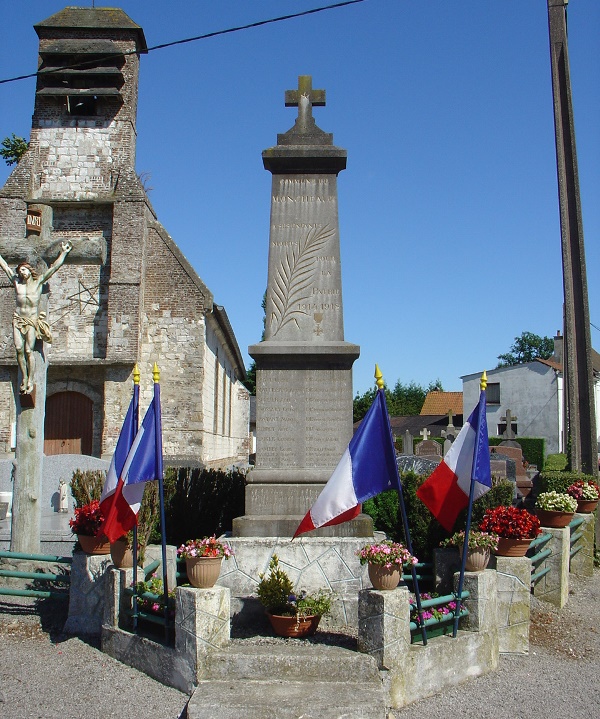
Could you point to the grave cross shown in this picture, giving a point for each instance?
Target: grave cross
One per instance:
(509, 419)
(424, 433)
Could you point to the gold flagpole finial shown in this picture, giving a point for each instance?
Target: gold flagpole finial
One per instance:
(155, 373)
(378, 377)
(483, 381)
(136, 374)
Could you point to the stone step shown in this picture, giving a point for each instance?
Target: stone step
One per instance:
(313, 662)
(279, 699)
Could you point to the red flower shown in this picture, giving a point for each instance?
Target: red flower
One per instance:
(510, 522)
(88, 519)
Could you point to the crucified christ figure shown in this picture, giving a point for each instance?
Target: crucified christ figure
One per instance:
(29, 323)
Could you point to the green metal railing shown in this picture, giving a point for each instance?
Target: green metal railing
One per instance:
(537, 555)
(44, 577)
(575, 536)
(434, 625)
(424, 573)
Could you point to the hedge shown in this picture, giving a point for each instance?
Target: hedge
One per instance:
(560, 481)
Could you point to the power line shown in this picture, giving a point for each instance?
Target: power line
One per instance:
(249, 26)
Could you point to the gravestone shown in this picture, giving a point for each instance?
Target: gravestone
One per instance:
(429, 448)
(511, 448)
(304, 365)
(407, 444)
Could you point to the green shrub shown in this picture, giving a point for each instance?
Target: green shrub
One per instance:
(556, 462)
(559, 481)
(201, 502)
(87, 486)
(534, 449)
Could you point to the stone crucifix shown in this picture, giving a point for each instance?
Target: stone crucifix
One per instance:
(305, 98)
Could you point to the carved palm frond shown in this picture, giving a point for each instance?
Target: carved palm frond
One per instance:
(295, 275)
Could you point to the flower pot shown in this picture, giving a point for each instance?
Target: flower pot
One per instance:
(512, 547)
(477, 559)
(586, 506)
(383, 578)
(295, 626)
(203, 572)
(556, 520)
(121, 554)
(94, 545)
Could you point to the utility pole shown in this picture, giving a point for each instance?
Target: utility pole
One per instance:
(580, 415)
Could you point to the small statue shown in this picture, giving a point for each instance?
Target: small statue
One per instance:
(63, 499)
(29, 324)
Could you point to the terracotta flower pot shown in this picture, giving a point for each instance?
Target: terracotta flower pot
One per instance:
(383, 578)
(94, 545)
(203, 572)
(556, 520)
(294, 626)
(586, 506)
(512, 547)
(477, 559)
(121, 554)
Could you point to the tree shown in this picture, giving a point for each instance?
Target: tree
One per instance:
(13, 149)
(404, 400)
(527, 348)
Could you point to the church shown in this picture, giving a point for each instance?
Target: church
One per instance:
(125, 294)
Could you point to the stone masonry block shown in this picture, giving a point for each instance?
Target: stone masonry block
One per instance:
(384, 625)
(553, 587)
(89, 578)
(582, 563)
(482, 602)
(514, 595)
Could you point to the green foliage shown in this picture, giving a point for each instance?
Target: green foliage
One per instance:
(556, 462)
(13, 149)
(403, 400)
(560, 481)
(274, 589)
(534, 449)
(201, 502)
(87, 486)
(425, 532)
(526, 348)
(250, 381)
(148, 517)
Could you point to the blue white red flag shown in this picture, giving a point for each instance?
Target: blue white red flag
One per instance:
(143, 463)
(446, 491)
(367, 467)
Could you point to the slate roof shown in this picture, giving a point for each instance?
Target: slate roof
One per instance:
(438, 402)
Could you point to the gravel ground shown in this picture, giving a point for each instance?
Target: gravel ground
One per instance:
(47, 675)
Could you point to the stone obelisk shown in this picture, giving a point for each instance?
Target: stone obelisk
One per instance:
(303, 366)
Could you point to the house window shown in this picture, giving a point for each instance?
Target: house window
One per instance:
(492, 393)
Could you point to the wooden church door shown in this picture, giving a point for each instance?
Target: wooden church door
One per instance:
(69, 424)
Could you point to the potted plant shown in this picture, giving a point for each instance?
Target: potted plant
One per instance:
(515, 528)
(86, 525)
(586, 493)
(121, 551)
(555, 509)
(291, 614)
(385, 561)
(203, 559)
(479, 547)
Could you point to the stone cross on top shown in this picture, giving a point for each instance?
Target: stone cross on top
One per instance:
(304, 98)
(509, 419)
(424, 433)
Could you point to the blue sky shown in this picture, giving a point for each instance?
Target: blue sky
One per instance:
(449, 226)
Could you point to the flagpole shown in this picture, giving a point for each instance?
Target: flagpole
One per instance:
(161, 494)
(379, 383)
(136, 422)
(463, 562)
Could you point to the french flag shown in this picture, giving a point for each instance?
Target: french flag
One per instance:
(446, 491)
(367, 467)
(124, 488)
